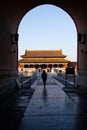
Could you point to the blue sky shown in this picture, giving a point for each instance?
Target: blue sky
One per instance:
(48, 27)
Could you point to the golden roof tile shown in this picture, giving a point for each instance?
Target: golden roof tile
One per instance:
(43, 54)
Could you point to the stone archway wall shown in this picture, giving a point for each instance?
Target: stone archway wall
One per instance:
(11, 13)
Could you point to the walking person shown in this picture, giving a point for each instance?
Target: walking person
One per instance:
(44, 77)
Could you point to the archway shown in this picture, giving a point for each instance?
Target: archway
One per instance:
(11, 15)
(48, 27)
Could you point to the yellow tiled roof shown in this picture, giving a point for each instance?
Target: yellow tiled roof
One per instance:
(43, 54)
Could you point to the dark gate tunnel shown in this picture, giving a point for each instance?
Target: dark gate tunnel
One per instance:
(11, 13)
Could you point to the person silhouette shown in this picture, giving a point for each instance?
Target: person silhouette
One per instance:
(44, 77)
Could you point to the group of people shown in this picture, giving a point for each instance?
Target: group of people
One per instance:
(44, 77)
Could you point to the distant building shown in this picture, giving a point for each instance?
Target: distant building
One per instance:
(37, 60)
(72, 64)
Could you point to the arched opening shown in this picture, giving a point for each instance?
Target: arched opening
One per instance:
(10, 15)
(39, 30)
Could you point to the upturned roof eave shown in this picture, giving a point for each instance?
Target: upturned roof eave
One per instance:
(27, 61)
(23, 56)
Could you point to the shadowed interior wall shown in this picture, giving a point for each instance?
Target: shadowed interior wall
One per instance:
(11, 13)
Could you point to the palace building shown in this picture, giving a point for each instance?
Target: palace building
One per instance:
(37, 60)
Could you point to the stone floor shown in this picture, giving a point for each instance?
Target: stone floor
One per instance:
(13, 108)
(53, 108)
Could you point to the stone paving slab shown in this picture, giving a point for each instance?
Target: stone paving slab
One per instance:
(13, 108)
(52, 109)
(59, 122)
